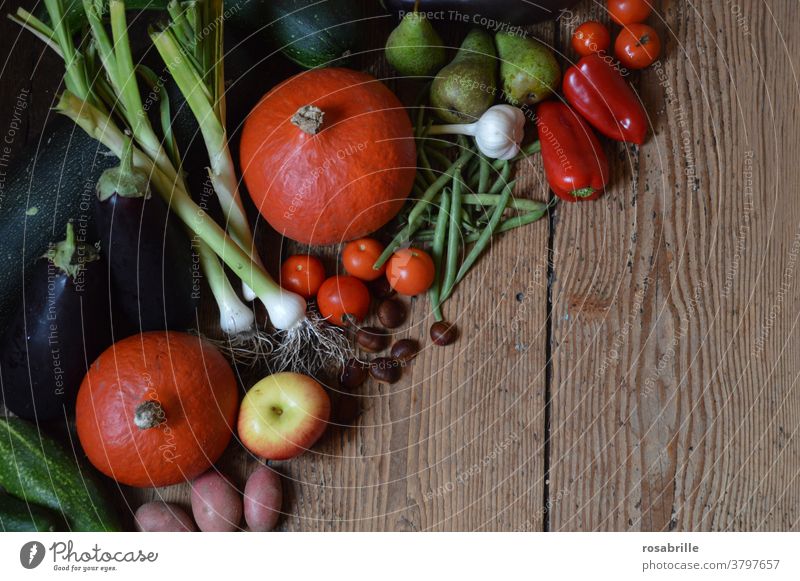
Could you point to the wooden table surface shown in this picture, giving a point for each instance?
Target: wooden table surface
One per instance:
(628, 364)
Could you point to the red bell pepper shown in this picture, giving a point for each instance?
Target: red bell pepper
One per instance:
(574, 162)
(605, 99)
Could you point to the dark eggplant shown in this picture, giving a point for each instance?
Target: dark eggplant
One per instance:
(149, 255)
(50, 183)
(61, 328)
(497, 15)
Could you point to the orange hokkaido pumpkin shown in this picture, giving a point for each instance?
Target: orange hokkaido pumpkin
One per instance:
(157, 409)
(328, 155)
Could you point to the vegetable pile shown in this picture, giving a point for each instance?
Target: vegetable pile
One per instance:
(113, 101)
(329, 156)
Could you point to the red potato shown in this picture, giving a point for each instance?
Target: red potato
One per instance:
(163, 517)
(263, 496)
(216, 504)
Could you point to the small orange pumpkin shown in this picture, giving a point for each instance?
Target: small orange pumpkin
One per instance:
(157, 408)
(328, 155)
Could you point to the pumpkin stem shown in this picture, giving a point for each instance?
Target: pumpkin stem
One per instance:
(309, 119)
(149, 414)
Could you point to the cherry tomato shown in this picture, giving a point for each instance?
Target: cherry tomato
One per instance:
(629, 11)
(591, 37)
(302, 274)
(410, 271)
(358, 257)
(343, 295)
(637, 46)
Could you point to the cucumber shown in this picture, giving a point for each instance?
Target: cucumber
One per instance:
(37, 470)
(17, 516)
(53, 183)
(309, 32)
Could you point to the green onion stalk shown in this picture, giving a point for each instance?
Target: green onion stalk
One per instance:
(201, 81)
(106, 103)
(118, 90)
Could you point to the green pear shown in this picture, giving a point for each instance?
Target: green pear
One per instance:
(466, 88)
(529, 71)
(414, 48)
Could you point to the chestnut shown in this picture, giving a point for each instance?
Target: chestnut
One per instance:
(385, 370)
(392, 313)
(353, 374)
(443, 333)
(380, 288)
(405, 350)
(372, 339)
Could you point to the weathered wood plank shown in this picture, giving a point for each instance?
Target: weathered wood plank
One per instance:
(669, 411)
(674, 399)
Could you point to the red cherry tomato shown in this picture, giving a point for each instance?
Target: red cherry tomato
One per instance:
(343, 295)
(637, 46)
(358, 257)
(410, 271)
(302, 274)
(591, 37)
(629, 11)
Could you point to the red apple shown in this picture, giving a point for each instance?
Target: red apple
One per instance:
(283, 415)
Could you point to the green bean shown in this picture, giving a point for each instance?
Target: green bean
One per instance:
(466, 219)
(481, 243)
(426, 169)
(501, 180)
(418, 126)
(441, 158)
(483, 179)
(414, 222)
(521, 220)
(439, 234)
(453, 236)
(493, 200)
(421, 181)
(504, 226)
(422, 98)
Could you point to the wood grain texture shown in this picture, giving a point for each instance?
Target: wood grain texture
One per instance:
(673, 373)
(674, 358)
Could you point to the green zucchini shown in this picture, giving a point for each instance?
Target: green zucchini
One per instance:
(34, 468)
(312, 33)
(52, 183)
(18, 516)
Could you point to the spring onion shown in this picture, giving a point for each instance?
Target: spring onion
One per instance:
(110, 105)
(201, 81)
